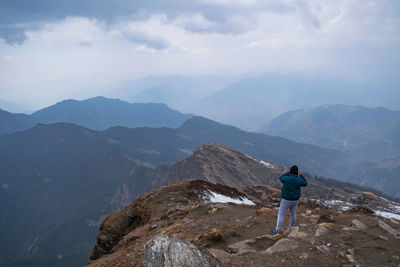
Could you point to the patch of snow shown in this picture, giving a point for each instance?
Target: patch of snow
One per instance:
(383, 198)
(218, 198)
(387, 214)
(335, 202)
(148, 151)
(267, 164)
(247, 143)
(396, 208)
(184, 136)
(250, 157)
(187, 151)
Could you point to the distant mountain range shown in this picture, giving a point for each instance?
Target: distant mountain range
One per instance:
(179, 92)
(362, 133)
(13, 122)
(250, 101)
(382, 175)
(101, 113)
(98, 113)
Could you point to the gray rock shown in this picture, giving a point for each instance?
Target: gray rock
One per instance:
(295, 233)
(168, 252)
(323, 249)
(304, 255)
(321, 231)
(389, 229)
(242, 247)
(314, 219)
(220, 255)
(282, 245)
(356, 223)
(350, 258)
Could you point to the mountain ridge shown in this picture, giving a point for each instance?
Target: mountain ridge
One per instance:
(100, 113)
(352, 129)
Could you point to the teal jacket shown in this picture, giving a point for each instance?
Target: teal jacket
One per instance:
(291, 186)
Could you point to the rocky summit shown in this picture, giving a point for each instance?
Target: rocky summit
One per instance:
(198, 222)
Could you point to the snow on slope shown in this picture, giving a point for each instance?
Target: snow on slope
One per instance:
(219, 198)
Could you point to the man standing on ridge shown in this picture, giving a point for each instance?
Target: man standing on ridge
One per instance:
(290, 195)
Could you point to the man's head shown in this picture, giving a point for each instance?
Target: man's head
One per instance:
(294, 170)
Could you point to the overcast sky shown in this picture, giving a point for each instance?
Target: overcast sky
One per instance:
(52, 49)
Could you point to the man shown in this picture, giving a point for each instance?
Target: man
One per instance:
(290, 195)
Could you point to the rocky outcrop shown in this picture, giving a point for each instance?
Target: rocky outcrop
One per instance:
(165, 251)
(224, 165)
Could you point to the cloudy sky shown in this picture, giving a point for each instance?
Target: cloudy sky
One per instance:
(53, 49)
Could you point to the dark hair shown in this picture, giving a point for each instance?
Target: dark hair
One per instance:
(294, 170)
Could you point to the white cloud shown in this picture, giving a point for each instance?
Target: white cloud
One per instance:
(231, 2)
(9, 58)
(222, 37)
(72, 30)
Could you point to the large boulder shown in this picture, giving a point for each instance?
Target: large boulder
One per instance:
(165, 251)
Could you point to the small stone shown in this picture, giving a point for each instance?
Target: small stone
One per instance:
(314, 219)
(321, 231)
(350, 258)
(323, 249)
(263, 210)
(396, 257)
(304, 255)
(350, 228)
(356, 223)
(308, 212)
(351, 251)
